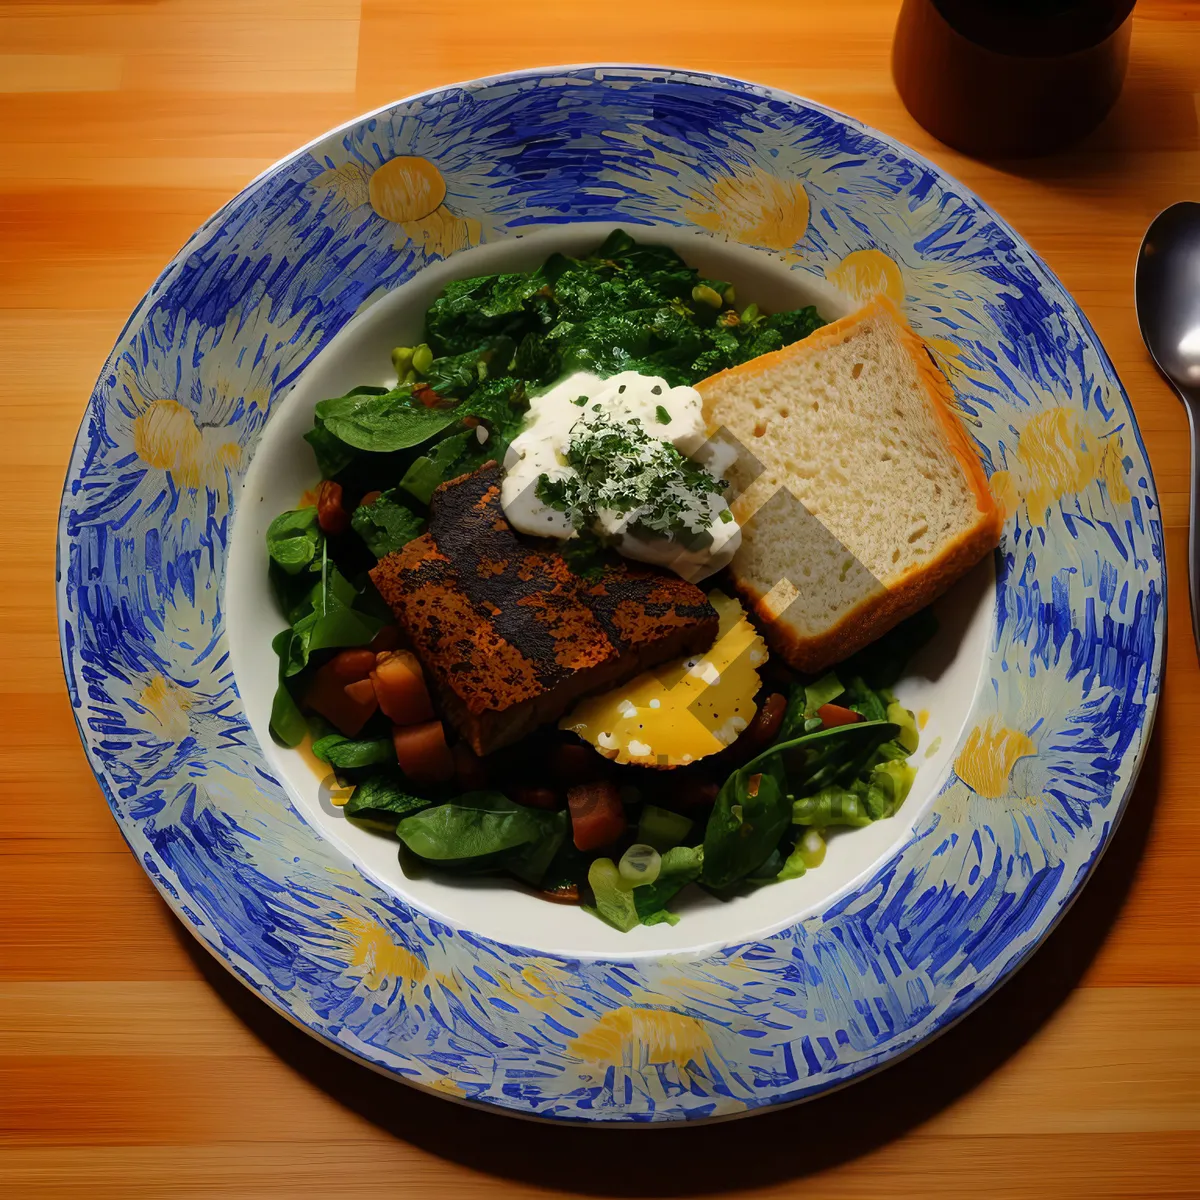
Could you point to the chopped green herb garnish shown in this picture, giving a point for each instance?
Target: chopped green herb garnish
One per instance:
(664, 417)
(621, 468)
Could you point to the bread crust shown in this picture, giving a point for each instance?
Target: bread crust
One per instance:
(878, 613)
(918, 586)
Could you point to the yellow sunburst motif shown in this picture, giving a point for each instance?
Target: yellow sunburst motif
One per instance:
(166, 436)
(754, 208)
(866, 273)
(643, 1036)
(371, 950)
(1112, 470)
(167, 704)
(1057, 456)
(988, 757)
(408, 191)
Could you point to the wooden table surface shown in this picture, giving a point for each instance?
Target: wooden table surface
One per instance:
(130, 1064)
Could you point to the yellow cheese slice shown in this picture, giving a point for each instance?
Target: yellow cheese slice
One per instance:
(685, 709)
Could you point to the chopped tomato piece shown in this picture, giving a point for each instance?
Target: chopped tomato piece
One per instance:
(362, 691)
(328, 696)
(835, 714)
(332, 516)
(424, 394)
(401, 689)
(352, 665)
(597, 817)
(422, 752)
(369, 498)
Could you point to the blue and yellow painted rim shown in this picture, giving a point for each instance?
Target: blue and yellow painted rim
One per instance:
(1057, 729)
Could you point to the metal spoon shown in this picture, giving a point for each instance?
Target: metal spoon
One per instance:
(1167, 293)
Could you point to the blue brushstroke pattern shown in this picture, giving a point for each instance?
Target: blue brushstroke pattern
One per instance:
(268, 281)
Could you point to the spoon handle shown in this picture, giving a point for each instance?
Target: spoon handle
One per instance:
(1191, 401)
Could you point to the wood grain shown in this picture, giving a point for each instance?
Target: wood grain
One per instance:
(130, 1064)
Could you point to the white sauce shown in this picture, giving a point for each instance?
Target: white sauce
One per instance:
(539, 449)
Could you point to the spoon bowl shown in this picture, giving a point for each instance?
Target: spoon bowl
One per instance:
(1167, 294)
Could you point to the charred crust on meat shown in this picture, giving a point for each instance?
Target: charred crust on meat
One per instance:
(510, 636)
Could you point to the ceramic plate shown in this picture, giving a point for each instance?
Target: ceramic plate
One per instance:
(1039, 690)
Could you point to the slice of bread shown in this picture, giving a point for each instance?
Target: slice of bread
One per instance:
(866, 500)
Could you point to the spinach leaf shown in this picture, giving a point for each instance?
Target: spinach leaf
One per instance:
(348, 753)
(768, 870)
(287, 722)
(680, 866)
(337, 628)
(865, 799)
(832, 805)
(382, 423)
(332, 456)
(501, 403)
(474, 825)
(469, 310)
(745, 826)
(294, 539)
(293, 593)
(331, 621)
(458, 375)
(380, 795)
(531, 861)
(614, 903)
(386, 525)
(751, 812)
(453, 456)
(865, 700)
(536, 361)
(826, 756)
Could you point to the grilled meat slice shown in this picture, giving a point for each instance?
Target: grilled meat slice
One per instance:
(509, 634)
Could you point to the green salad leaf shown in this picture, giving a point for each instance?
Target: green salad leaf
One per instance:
(287, 722)
(680, 866)
(751, 814)
(489, 342)
(349, 753)
(386, 525)
(472, 826)
(452, 456)
(458, 375)
(294, 539)
(384, 795)
(382, 423)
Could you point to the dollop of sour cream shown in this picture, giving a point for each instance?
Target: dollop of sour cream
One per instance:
(670, 414)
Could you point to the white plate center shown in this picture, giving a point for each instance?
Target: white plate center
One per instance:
(941, 681)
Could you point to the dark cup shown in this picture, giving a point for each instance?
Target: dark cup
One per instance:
(1005, 78)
